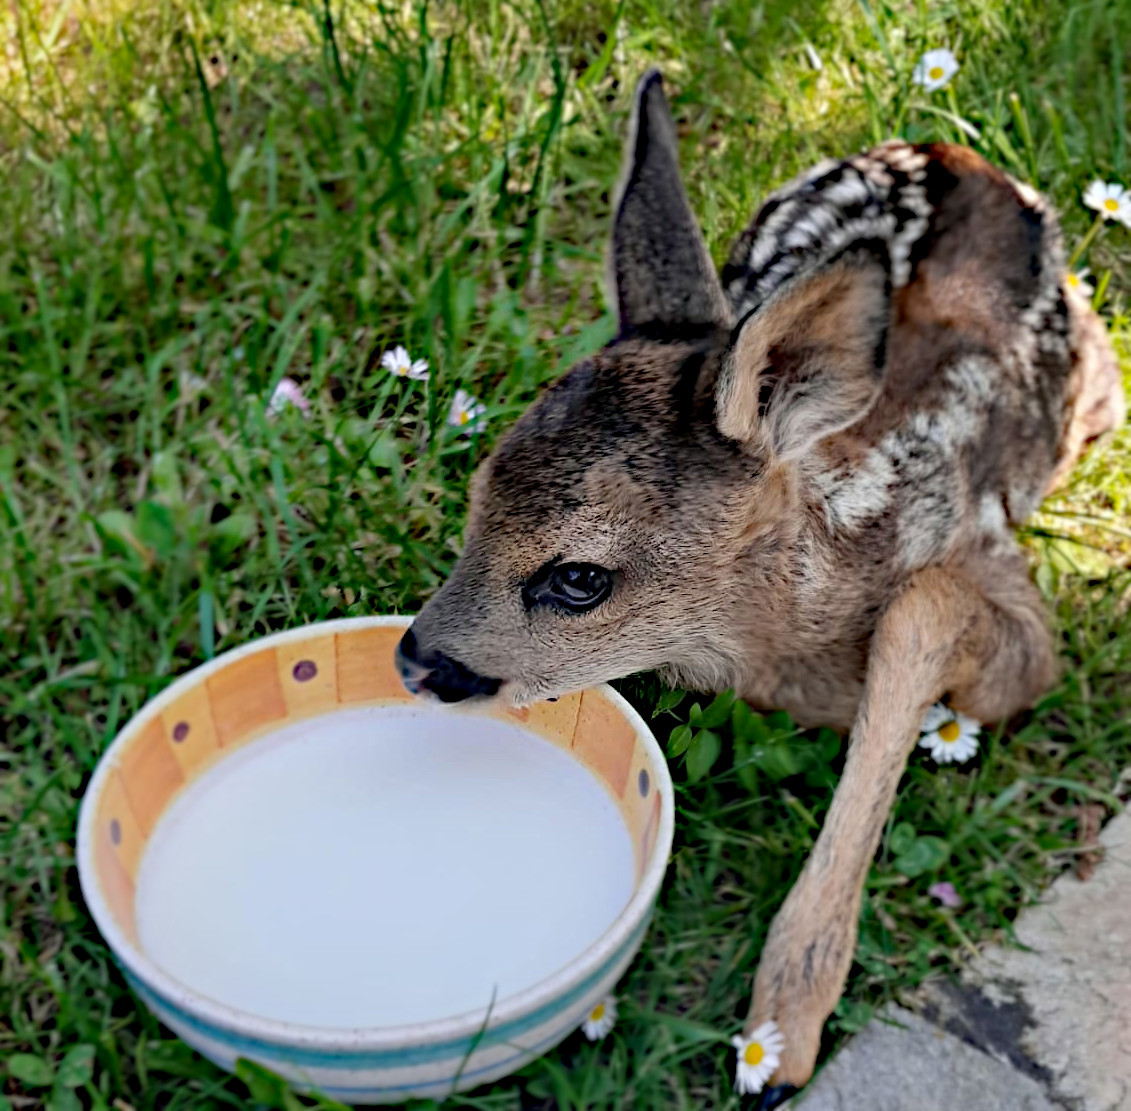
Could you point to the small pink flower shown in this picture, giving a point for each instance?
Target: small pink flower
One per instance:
(288, 392)
(945, 893)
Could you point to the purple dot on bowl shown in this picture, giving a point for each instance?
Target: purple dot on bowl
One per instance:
(115, 831)
(304, 670)
(180, 731)
(643, 783)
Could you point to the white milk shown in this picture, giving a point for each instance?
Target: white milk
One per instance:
(381, 866)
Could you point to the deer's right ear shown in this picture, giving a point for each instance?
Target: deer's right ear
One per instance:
(809, 362)
(664, 277)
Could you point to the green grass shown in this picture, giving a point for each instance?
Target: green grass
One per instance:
(201, 197)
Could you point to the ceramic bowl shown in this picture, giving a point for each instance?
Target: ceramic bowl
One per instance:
(288, 802)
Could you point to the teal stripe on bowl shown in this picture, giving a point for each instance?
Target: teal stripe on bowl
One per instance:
(244, 1045)
(441, 1085)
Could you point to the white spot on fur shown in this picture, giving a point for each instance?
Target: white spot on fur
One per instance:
(761, 251)
(874, 171)
(900, 156)
(991, 515)
(973, 379)
(1029, 196)
(914, 197)
(811, 228)
(855, 496)
(1022, 502)
(851, 189)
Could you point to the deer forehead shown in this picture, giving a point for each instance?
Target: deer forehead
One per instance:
(612, 510)
(623, 431)
(585, 533)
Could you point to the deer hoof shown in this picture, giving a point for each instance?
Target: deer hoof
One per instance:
(774, 1097)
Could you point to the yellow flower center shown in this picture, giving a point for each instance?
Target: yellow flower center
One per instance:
(1073, 280)
(935, 73)
(1111, 204)
(753, 1054)
(598, 1012)
(464, 418)
(950, 732)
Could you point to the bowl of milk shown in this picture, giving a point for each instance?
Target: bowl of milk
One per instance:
(295, 862)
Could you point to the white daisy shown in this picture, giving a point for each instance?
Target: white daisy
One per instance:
(467, 412)
(397, 362)
(950, 736)
(601, 1019)
(1110, 200)
(759, 1054)
(935, 69)
(287, 392)
(1079, 280)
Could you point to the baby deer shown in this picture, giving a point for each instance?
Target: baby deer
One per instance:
(797, 479)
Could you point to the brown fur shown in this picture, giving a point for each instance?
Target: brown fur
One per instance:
(1095, 394)
(803, 489)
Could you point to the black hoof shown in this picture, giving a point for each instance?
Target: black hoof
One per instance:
(774, 1097)
(529, 1102)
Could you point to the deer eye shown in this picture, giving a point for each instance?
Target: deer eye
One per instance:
(573, 587)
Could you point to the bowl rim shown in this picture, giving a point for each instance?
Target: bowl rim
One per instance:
(469, 1024)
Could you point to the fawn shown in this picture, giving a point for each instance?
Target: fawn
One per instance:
(796, 478)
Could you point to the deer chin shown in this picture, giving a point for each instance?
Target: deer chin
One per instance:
(521, 693)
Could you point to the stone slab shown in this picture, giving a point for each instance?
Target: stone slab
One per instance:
(1072, 980)
(1045, 1024)
(901, 1062)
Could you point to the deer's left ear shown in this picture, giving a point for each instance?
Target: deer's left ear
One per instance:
(663, 274)
(808, 362)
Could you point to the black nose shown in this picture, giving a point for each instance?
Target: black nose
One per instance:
(447, 679)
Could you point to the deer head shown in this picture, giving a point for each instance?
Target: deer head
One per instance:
(640, 514)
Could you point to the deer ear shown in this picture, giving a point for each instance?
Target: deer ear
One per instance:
(809, 361)
(663, 275)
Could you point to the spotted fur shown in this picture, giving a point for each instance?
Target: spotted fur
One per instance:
(882, 195)
(801, 475)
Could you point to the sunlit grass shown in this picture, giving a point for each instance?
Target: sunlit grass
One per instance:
(200, 198)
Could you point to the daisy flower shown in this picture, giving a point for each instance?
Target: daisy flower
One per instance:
(1110, 200)
(287, 392)
(935, 69)
(949, 735)
(397, 362)
(1079, 280)
(601, 1019)
(467, 412)
(759, 1054)
(945, 893)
